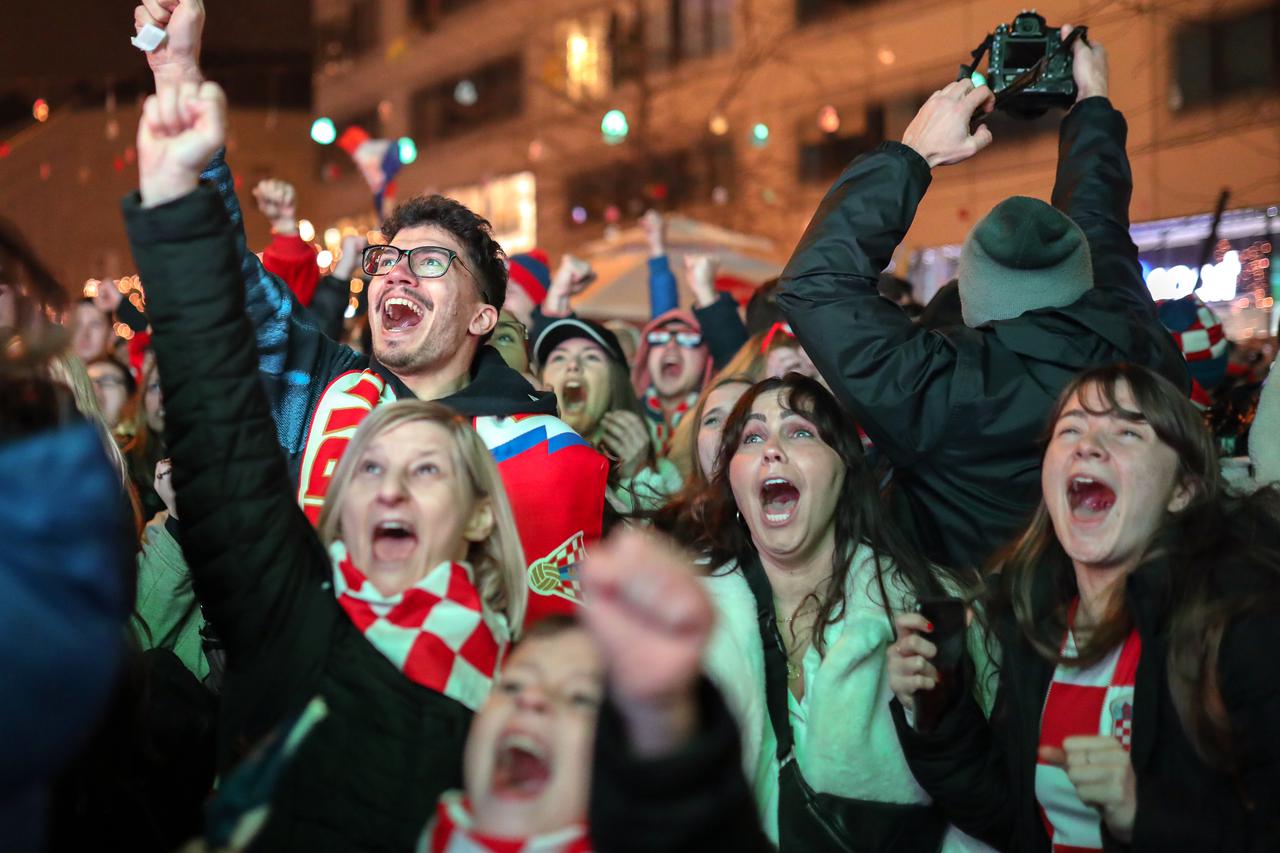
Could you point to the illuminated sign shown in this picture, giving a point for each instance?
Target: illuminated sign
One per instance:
(1217, 281)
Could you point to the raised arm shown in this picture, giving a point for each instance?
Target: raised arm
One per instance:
(889, 372)
(1094, 183)
(294, 358)
(251, 551)
(717, 313)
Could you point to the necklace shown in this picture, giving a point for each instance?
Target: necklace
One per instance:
(794, 670)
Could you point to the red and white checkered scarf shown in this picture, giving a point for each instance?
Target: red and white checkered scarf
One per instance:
(437, 632)
(453, 831)
(659, 426)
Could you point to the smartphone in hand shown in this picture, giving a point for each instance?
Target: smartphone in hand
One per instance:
(947, 614)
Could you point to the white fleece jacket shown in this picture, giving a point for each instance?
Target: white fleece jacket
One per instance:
(845, 739)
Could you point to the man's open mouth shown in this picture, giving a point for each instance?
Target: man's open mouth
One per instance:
(399, 314)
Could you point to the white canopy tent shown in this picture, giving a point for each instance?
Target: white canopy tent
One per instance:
(620, 260)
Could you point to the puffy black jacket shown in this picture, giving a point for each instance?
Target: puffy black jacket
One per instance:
(367, 776)
(959, 412)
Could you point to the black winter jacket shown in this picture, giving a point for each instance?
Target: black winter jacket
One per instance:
(982, 774)
(959, 412)
(691, 801)
(368, 775)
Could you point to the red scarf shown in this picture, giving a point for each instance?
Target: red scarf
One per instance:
(662, 428)
(437, 632)
(453, 831)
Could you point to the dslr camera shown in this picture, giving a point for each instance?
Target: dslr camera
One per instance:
(1029, 71)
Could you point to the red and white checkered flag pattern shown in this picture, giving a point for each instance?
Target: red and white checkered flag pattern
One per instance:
(1203, 340)
(436, 632)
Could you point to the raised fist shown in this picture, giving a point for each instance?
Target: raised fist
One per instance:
(701, 274)
(177, 59)
(654, 225)
(182, 126)
(278, 202)
(652, 620)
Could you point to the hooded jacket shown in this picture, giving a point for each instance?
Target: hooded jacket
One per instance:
(959, 411)
(313, 384)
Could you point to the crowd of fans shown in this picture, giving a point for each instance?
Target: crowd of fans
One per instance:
(470, 572)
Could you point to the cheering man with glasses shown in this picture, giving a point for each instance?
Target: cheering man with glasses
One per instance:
(672, 364)
(437, 286)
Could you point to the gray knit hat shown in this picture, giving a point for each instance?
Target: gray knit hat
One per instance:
(1023, 255)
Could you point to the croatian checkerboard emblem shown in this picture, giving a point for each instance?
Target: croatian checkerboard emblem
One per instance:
(1122, 720)
(557, 573)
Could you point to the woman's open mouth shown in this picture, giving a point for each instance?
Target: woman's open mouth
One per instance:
(778, 500)
(394, 540)
(573, 396)
(1090, 499)
(400, 314)
(521, 767)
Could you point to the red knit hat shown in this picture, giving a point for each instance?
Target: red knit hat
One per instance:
(531, 271)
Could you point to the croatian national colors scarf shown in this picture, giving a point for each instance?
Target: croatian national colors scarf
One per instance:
(435, 632)
(453, 831)
(555, 481)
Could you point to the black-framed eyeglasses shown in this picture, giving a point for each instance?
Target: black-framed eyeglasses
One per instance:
(424, 261)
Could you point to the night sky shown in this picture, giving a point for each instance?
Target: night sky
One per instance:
(77, 46)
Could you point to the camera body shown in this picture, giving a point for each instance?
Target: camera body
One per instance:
(1016, 49)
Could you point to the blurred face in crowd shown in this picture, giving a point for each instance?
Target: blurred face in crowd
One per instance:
(578, 371)
(421, 323)
(509, 339)
(111, 388)
(786, 481)
(720, 402)
(409, 507)
(677, 360)
(1108, 480)
(153, 400)
(90, 332)
(783, 360)
(528, 757)
(519, 304)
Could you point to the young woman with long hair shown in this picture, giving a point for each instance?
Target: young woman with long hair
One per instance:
(1136, 615)
(805, 572)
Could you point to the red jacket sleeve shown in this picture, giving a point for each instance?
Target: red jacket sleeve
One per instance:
(294, 260)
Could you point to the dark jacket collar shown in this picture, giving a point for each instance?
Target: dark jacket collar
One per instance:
(494, 389)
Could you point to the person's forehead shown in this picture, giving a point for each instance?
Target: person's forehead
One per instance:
(426, 235)
(579, 345)
(565, 654)
(413, 437)
(675, 325)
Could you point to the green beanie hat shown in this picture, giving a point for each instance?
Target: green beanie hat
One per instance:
(1023, 255)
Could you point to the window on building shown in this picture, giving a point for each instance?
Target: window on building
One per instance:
(825, 157)
(461, 104)
(510, 204)
(672, 180)
(348, 36)
(585, 50)
(808, 11)
(658, 34)
(428, 13)
(1228, 56)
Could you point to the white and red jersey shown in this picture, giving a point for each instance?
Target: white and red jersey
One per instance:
(555, 481)
(1094, 700)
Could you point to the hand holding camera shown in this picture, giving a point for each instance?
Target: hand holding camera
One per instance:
(940, 132)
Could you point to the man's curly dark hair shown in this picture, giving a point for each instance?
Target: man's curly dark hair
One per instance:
(482, 254)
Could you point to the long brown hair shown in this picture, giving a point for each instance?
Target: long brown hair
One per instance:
(1038, 582)
(498, 560)
(860, 517)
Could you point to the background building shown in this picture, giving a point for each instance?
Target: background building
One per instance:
(741, 112)
(64, 168)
